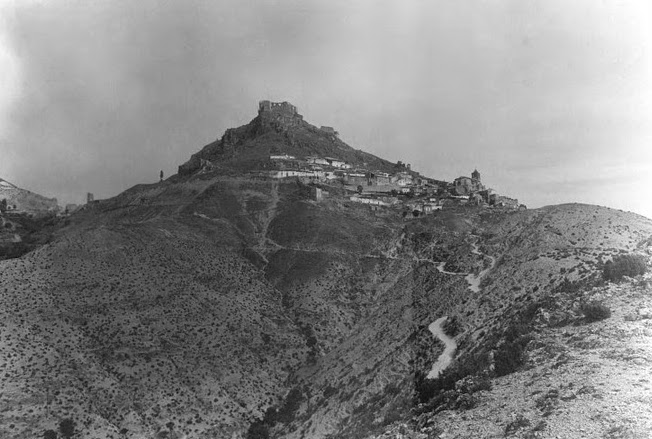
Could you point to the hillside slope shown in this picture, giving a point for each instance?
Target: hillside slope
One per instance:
(222, 303)
(26, 201)
(207, 302)
(575, 378)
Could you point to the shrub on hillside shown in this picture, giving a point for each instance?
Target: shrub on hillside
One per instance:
(465, 376)
(258, 430)
(67, 428)
(510, 356)
(452, 326)
(594, 311)
(285, 414)
(518, 423)
(624, 265)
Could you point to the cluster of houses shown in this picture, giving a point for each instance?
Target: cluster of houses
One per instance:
(403, 188)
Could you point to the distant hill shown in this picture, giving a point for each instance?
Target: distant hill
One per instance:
(279, 131)
(26, 201)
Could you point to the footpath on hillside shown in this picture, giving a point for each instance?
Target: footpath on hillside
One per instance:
(436, 327)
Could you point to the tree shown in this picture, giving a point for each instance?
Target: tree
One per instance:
(67, 428)
(49, 434)
(360, 189)
(3, 205)
(161, 175)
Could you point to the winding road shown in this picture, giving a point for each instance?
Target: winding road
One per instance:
(446, 357)
(474, 280)
(436, 327)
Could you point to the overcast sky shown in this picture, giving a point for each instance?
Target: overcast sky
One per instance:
(550, 100)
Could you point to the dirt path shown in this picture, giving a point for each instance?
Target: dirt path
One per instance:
(263, 240)
(440, 268)
(435, 327)
(473, 279)
(449, 350)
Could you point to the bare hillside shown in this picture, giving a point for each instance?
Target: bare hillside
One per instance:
(231, 307)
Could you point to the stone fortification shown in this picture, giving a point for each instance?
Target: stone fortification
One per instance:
(279, 114)
(277, 107)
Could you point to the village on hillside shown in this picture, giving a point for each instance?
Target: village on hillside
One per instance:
(402, 188)
(396, 186)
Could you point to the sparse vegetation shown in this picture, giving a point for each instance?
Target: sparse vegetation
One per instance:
(226, 304)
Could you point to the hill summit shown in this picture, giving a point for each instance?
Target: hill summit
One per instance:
(278, 143)
(277, 130)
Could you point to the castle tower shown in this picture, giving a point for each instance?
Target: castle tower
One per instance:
(89, 198)
(264, 106)
(277, 107)
(475, 175)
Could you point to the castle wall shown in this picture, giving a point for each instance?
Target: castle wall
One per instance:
(277, 107)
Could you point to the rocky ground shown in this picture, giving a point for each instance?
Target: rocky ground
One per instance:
(219, 306)
(581, 378)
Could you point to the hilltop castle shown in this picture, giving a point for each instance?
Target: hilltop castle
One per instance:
(284, 108)
(280, 112)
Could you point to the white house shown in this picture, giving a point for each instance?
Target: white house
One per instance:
(286, 173)
(281, 157)
(317, 160)
(337, 163)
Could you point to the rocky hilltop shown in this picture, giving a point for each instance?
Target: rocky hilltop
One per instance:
(276, 131)
(22, 200)
(236, 301)
(26, 220)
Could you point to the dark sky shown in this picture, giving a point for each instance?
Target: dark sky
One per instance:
(550, 100)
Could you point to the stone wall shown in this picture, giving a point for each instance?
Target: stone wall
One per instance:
(277, 107)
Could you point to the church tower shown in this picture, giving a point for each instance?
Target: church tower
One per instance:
(475, 175)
